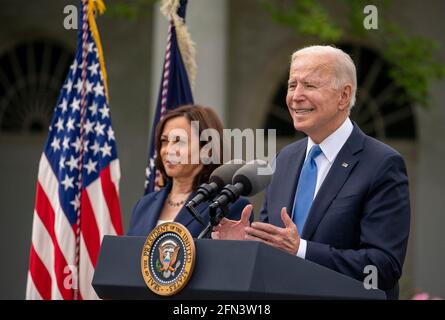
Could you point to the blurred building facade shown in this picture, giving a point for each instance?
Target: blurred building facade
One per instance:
(243, 60)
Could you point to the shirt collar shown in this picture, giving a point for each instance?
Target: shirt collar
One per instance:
(332, 145)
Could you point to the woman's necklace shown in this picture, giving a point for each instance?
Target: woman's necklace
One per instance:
(175, 204)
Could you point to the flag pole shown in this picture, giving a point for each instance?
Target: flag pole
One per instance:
(85, 6)
(89, 7)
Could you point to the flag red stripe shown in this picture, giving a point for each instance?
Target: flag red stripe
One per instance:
(40, 276)
(112, 198)
(89, 229)
(47, 216)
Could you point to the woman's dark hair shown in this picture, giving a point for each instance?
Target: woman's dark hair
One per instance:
(208, 119)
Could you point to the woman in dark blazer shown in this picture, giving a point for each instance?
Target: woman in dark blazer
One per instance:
(179, 161)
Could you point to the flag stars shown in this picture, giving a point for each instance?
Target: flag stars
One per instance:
(55, 144)
(99, 128)
(65, 143)
(68, 86)
(89, 86)
(93, 109)
(75, 105)
(63, 105)
(76, 202)
(96, 53)
(94, 69)
(98, 90)
(68, 182)
(105, 111)
(147, 174)
(72, 163)
(85, 145)
(149, 170)
(74, 65)
(76, 144)
(70, 124)
(79, 85)
(106, 150)
(62, 162)
(91, 166)
(59, 124)
(95, 147)
(110, 133)
(90, 47)
(88, 126)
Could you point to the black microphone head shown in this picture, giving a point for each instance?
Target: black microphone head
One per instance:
(223, 175)
(254, 176)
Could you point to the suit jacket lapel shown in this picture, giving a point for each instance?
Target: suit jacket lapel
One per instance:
(334, 181)
(156, 207)
(291, 167)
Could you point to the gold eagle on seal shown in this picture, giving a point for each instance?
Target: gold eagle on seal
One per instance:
(168, 254)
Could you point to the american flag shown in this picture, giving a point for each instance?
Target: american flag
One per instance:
(175, 89)
(77, 200)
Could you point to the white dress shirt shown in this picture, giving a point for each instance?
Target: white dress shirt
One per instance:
(163, 221)
(330, 147)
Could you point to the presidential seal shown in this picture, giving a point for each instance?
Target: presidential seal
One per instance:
(168, 258)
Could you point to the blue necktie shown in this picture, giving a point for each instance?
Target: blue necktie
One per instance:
(306, 188)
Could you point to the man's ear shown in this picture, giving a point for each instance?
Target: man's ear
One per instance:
(345, 97)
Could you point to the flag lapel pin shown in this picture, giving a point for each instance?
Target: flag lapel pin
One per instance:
(345, 165)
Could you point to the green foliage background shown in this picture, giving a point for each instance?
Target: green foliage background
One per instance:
(412, 58)
(413, 61)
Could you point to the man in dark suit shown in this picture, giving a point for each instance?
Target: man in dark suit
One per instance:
(338, 197)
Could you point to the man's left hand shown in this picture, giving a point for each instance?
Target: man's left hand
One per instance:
(286, 239)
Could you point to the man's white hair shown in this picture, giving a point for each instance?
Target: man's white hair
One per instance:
(345, 72)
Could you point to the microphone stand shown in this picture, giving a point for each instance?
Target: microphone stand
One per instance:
(191, 208)
(228, 194)
(215, 219)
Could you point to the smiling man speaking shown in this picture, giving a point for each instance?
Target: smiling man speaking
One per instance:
(338, 197)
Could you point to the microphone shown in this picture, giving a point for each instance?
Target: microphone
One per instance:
(247, 181)
(220, 177)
